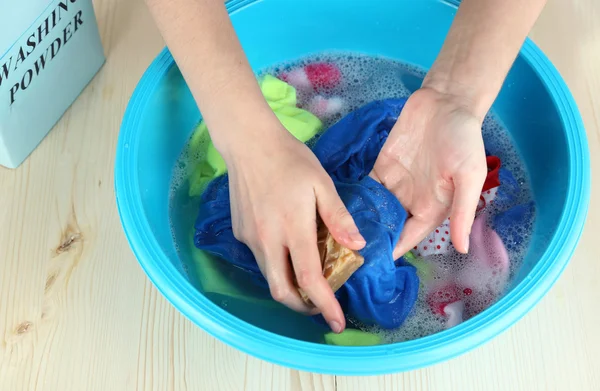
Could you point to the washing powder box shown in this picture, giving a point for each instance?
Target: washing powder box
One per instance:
(49, 52)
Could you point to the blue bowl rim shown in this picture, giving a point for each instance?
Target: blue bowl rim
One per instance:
(338, 360)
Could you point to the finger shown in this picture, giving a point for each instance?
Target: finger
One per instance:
(278, 272)
(336, 217)
(415, 230)
(464, 206)
(309, 275)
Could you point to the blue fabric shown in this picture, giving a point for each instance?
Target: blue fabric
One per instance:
(511, 224)
(382, 292)
(508, 191)
(512, 220)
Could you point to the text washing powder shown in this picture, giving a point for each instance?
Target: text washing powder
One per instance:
(49, 52)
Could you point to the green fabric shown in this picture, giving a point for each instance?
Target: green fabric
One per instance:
(281, 97)
(424, 269)
(352, 337)
(212, 276)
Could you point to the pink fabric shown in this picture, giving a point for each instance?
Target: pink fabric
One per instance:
(298, 79)
(313, 80)
(461, 294)
(454, 311)
(325, 108)
(317, 77)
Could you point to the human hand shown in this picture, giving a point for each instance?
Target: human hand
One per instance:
(434, 162)
(276, 189)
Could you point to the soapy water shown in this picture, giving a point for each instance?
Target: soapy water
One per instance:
(364, 79)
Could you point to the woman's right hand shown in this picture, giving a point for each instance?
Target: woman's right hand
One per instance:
(276, 189)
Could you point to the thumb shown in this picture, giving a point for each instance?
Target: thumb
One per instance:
(464, 206)
(336, 217)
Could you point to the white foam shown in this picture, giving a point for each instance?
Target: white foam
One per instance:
(364, 79)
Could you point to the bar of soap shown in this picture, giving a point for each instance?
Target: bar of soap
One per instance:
(338, 262)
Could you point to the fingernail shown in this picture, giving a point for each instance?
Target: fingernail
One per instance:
(467, 244)
(356, 237)
(335, 326)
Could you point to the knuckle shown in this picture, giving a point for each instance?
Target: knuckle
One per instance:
(238, 233)
(306, 278)
(341, 212)
(243, 232)
(278, 292)
(327, 183)
(339, 215)
(389, 151)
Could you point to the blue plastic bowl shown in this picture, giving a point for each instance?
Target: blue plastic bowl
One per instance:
(534, 104)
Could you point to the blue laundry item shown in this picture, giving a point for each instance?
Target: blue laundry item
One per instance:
(508, 191)
(381, 292)
(510, 224)
(214, 231)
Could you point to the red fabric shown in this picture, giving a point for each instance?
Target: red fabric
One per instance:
(493, 167)
(323, 75)
(439, 298)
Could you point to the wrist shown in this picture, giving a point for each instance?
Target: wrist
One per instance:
(247, 138)
(236, 113)
(469, 94)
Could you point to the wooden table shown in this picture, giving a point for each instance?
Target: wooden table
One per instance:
(78, 313)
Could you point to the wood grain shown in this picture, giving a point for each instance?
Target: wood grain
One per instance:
(78, 313)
